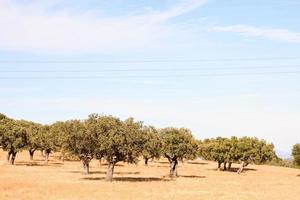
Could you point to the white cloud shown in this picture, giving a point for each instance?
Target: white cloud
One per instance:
(179, 9)
(283, 35)
(31, 28)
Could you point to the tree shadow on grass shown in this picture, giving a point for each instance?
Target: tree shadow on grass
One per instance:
(163, 162)
(191, 176)
(163, 166)
(40, 160)
(197, 163)
(233, 169)
(129, 179)
(102, 172)
(117, 165)
(50, 164)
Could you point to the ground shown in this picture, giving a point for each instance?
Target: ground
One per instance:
(197, 180)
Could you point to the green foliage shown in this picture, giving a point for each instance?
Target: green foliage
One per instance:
(153, 145)
(179, 143)
(221, 150)
(255, 150)
(296, 154)
(2, 116)
(33, 131)
(13, 136)
(119, 141)
(50, 137)
(79, 140)
(106, 136)
(245, 149)
(116, 140)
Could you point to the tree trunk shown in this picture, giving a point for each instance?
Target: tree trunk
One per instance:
(229, 165)
(8, 156)
(243, 165)
(169, 158)
(146, 161)
(13, 157)
(110, 172)
(86, 167)
(173, 167)
(219, 165)
(31, 153)
(47, 154)
(225, 168)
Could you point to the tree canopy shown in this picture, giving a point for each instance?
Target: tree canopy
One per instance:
(13, 137)
(80, 141)
(153, 144)
(244, 150)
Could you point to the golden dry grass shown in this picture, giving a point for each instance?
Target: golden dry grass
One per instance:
(198, 180)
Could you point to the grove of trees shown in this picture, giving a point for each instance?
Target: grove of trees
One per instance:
(115, 140)
(243, 150)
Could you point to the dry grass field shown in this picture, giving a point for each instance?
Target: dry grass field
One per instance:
(198, 180)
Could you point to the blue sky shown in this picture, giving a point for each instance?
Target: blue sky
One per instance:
(218, 67)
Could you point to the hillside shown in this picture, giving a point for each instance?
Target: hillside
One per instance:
(198, 180)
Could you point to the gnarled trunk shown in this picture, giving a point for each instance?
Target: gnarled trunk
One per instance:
(110, 171)
(219, 165)
(31, 153)
(225, 167)
(8, 156)
(169, 158)
(146, 161)
(86, 166)
(242, 167)
(173, 168)
(47, 154)
(229, 165)
(13, 157)
(173, 165)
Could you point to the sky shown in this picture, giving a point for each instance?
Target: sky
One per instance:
(217, 67)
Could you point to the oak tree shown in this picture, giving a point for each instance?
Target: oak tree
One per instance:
(13, 137)
(178, 144)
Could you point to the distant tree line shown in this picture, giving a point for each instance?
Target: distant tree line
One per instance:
(114, 140)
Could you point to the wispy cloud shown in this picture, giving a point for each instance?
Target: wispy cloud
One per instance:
(178, 9)
(28, 27)
(283, 35)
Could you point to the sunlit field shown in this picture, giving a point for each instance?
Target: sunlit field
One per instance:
(197, 180)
